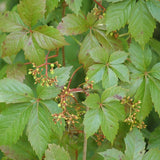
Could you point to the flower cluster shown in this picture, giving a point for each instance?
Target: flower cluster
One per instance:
(40, 74)
(99, 137)
(132, 109)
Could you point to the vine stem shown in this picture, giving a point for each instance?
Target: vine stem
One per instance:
(85, 144)
(73, 76)
(99, 5)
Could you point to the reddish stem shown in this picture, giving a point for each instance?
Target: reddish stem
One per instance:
(76, 152)
(27, 63)
(56, 55)
(73, 76)
(100, 5)
(46, 61)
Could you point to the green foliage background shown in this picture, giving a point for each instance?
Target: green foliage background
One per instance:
(116, 44)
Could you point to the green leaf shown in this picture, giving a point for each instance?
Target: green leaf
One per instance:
(48, 37)
(13, 43)
(73, 25)
(16, 71)
(22, 150)
(51, 5)
(44, 92)
(155, 93)
(99, 55)
(109, 124)
(109, 79)
(33, 52)
(55, 152)
(39, 129)
(143, 94)
(13, 91)
(92, 121)
(118, 57)
(155, 71)
(135, 146)
(118, 14)
(141, 59)
(74, 5)
(88, 43)
(53, 108)
(95, 72)
(152, 154)
(92, 101)
(62, 75)
(155, 45)
(112, 154)
(121, 71)
(154, 139)
(31, 11)
(113, 94)
(13, 121)
(154, 8)
(10, 22)
(141, 23)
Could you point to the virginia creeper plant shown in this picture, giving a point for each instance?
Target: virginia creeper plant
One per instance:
(80, 79)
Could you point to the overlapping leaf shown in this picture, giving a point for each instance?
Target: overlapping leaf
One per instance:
(39, 129)
(73, 25)
(13, 121)
(74, 5)
(13, 91)
(48, 37)
(154, 8)
(55, 152)
(31, 11)
(141, 23)
(117, 14)
(10, 22)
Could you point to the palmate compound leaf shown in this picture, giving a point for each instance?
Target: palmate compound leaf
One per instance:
(10, 22)
(117, 14)
(33, 52)
(13, 43)
(55, 152)
(104, 114)
(31, 11)
(39, 129)
(74, 5)
(143, 94)
(135, 145)
(141, 23)
(13, 91)
(48, 37)
(154, 8)
(73, 25)
(155, 93)
(13, 121)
